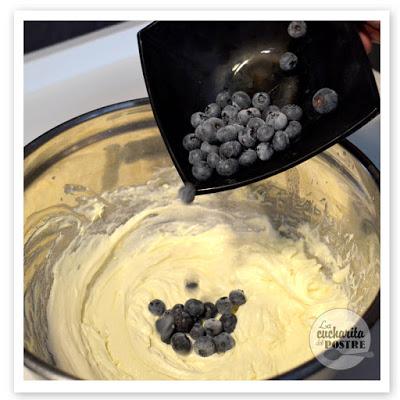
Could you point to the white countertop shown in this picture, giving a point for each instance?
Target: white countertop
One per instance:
(102, 68)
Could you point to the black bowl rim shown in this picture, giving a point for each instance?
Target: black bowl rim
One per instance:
(302, 371)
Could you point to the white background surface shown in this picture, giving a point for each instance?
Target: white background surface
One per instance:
(101, 68)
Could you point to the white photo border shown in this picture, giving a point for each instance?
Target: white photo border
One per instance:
(271, 386)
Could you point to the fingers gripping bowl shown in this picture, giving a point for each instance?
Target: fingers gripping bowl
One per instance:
(100, 191)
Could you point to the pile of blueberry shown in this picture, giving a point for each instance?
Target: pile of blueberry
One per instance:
(195, 324)
(236, 130)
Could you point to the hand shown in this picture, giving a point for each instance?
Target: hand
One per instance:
(370, 32)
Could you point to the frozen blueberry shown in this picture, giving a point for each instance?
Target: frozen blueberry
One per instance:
(241, 99)
(197, 155)
(227, 167)
(272, 108)
(248, 137)
(224, 305)
(248, 157)
(191, 142)
(157, 307)
(237, 297)
(227, 133)
(239, 128)
(212, 326)
(201, 170)
(293, 129)
(213, 159)
(223, 99)
(181, 343)
(297, 29)
(229, 322)
(255, 122)
(276, 119)
(187, 193)
(292, 111)
(204, 346)
(244, 115)
(229, 114)
(177, 308)
(165, 327)
(325, 100)
(280, 141)
(213, 110)
(230, 149)
(207, 131)
(183, 321)
(191, 285)
(264, 151)
(209, 148)
(210, 311)
(197, 119)
(216, 123)
(265, 133)
(261, 100)
(194, 307)
(288, 61)
(197, 331)
(224, 342)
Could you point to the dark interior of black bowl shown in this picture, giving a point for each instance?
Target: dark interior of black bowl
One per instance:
(185, 65)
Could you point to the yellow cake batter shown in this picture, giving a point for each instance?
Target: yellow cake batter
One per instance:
(125, 256)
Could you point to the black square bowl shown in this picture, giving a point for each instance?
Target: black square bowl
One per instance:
(185, 65)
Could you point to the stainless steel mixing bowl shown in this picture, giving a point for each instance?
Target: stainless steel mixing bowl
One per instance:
(120, 145)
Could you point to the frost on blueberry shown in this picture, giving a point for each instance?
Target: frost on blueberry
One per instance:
(325, 100)
(229, 114)
(255, 122)
(248, 157)
(208, 130)
(227, 133)
(187, 193)
(212, 326)
(280, 141)
(288, 61)
(292, 111)
(223, 99)
(204, 346)
(201, 171)
(293, 129)
(209, 148)
(264, 151)
(248, 137)
(241, 99)
(213, 110)
(191, 142)
(213, 159)
(197, 118)
(197, 155)
(244, 116)
(276, 119)
(297, 29)
(261, 100)
(224, 342)
(227, 167)
(230, 149)
(265, 133)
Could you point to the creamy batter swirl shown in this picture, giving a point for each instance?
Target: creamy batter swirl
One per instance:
(130, 253)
